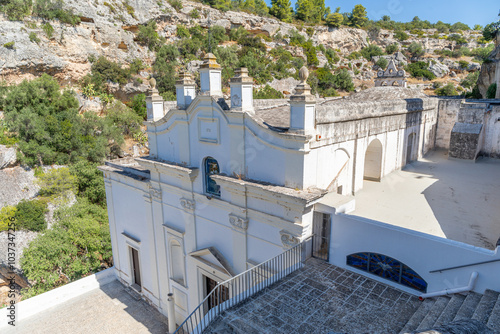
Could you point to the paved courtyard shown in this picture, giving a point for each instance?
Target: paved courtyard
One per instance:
(320, 298)
(110, 309)
(455, 199)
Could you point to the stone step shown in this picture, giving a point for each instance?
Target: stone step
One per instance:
(418, 316)
(434, 313)
(486, 305)
(450, 310)
(468, 307)
(395, 320)
(494, 320)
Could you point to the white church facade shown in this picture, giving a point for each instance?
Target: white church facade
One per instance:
(230, 184)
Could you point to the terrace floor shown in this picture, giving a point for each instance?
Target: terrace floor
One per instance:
(108, 309)
(454, 199)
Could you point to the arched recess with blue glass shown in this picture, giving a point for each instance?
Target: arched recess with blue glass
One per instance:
(388, 268)
(211, 168)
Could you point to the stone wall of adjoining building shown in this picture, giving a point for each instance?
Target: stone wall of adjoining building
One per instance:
(447, 117)
(491, 139)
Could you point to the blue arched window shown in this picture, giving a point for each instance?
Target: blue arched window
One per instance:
(211, 168)
(388, 268)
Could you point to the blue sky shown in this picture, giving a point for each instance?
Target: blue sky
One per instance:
(470, 12)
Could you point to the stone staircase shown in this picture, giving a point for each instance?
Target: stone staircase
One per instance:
(324, 299)
(433, 313)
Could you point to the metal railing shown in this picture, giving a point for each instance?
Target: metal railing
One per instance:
(239, 288)
(463, 266)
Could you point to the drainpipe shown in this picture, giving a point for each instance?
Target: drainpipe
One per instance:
(171, 313)
(472, 281)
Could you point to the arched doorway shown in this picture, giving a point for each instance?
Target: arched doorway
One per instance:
(409, 148)
(373, 161)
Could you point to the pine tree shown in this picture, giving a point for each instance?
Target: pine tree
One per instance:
(358, 16)
(304, 10)
(282, 9)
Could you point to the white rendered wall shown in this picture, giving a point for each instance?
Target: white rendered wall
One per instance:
(419, 251)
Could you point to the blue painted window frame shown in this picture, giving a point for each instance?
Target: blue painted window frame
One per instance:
(388, 268)
(211, 168)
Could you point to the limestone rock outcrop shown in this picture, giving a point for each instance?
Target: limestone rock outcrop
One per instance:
(490, 71)
(8, 156)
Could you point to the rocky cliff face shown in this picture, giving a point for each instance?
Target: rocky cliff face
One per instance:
(110, 30)
(490, 71)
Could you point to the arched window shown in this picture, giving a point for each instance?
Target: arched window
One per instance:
(211, 168)
(388, 268)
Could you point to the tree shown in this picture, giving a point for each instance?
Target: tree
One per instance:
(148, 36)
(358, 17)
(56, 182)
(89, 182)
(311, 10)
(49, 128)
(334, 20)
(138, 104)
(282, 9)
(258, 7)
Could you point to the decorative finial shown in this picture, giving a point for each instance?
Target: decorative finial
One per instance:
(303, 74)
(152, 83)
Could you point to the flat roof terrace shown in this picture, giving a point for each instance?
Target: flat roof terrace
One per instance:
(454, 199)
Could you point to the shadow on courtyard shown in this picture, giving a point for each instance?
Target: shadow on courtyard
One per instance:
(464, 198)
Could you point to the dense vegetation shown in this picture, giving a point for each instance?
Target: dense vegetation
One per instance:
(44, 122)
(45, 9)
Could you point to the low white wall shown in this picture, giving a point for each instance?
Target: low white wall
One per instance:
(40, 303)
(419, 251)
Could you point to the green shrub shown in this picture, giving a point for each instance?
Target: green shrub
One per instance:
(371, 51)
(491, 92)
(53, 9)
(382, 63)
(267, 93)
(56, 182)
(177, 4)
(463, 64)
(401, 35)
(194, 13)
(457, 38)
(48, 29)
(137, 65)
(419, 70)
(78, 245)
(236, 34)
(354, 55)
(470, 80)
(30, 215)
(110, 70)
(332, 56)
(138, 104)
(182, 32)
(34, 38)
(448, 90)
(9, 45)
(120, 116)
(16, 10)
(7, 215)
(392, 48)
(416, 49)
(296, 39)
(148, 36)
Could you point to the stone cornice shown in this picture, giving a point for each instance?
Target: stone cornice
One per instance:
(168, 168)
